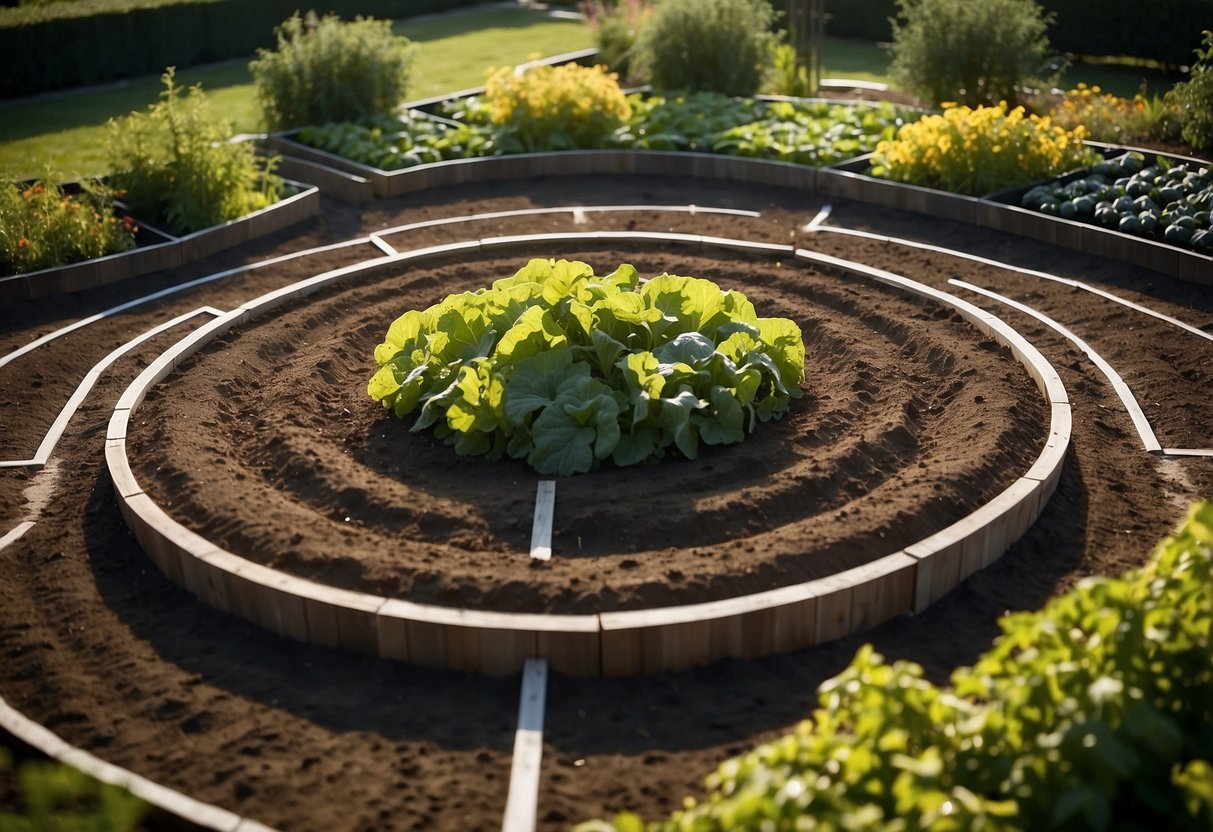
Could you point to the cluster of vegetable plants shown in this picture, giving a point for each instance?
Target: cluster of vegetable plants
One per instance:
(814, 133)
(567, 369)
(42, 225)
(555, 108)
(176, 164)
(1091, 714)
(1163, 201)
(981, 150)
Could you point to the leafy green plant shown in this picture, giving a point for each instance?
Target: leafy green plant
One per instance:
(326, 70)
(804, 132)
(972, 53)
(1091, 714)
(1193, 98)
(1166, 202)
(567, 369)
(42, 225)
(175, 163)
(555, 107)
(717, 45)
(616, 24)
(981, 150)
(58, 798)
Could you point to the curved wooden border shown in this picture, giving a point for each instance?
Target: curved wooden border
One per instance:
(830, 181)
(178, 251)
(611, 644)
(178, 810)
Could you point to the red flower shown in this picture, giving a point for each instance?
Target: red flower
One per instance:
(22, 243)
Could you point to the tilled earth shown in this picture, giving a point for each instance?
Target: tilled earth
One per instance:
(903, 405)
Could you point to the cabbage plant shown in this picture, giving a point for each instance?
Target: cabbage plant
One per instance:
(566, 369)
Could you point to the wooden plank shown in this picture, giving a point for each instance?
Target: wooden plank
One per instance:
(522, 805)
(541, 526)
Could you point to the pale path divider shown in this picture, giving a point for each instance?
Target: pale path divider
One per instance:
(1140, 422)
(522, 805)
(541, 528)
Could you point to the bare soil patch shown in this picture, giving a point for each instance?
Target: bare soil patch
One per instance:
(105, 651)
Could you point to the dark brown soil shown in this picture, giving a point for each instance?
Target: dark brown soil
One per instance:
(106, 652)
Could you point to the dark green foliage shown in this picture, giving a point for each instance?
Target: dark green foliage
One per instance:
(328, 70)
(93, 41)
(714, 45)
(971, 53)
(57, 798)
(1194, 99)
(1095, 713)
(1080, 27)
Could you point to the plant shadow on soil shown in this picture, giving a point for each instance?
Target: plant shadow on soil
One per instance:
(724, 705)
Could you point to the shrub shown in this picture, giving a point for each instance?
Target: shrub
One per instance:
(53, 796)
(567, 369)
(974, 53)
(980, 151)
(175, 163)
(1091, 714)
(717, 45)
(555, 107)
(326, 70)
(42, 226)
(616, 23)
(1194, 99)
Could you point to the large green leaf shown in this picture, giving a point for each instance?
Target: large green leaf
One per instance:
(537, 380)
(534, 332)
(785, 345)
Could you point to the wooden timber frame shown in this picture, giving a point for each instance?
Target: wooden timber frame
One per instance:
(845, 180)
(613, 644)
(171, 253)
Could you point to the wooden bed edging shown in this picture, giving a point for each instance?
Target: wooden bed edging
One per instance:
(616, 643)
(177, 251)
(836, 181)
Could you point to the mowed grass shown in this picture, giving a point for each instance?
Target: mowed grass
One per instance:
(66, 133)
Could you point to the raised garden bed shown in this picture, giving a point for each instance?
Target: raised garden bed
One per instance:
(158, 250)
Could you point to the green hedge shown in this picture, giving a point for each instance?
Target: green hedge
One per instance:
(66, 45)
(1166, 31)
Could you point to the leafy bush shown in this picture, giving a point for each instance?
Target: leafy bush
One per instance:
(804, 132)
(1194, 99)
(717, 45)
(615, 24)
(327, 70)
(1106, 117)
(58, 798)
(555, 107)
(973, 53)
(175, 164)
(980, 151)
(567, 369)
(1091, 714)
(41, 226)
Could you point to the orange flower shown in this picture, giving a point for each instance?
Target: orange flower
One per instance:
(22, 243)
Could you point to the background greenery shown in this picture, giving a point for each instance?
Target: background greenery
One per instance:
(66, 130)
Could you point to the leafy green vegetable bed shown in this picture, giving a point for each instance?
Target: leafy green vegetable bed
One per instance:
(1093, 713)
(1163, 201)
(566, 369)
(805, 132)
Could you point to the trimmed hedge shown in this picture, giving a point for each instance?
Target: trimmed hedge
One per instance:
(1169, 34)
(66, 45)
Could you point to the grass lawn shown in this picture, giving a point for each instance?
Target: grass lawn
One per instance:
(866, 61)
(67, 131)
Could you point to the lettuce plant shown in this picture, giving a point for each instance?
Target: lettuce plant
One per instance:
(566, 369)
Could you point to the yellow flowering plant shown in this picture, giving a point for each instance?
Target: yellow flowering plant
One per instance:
(555, 107)
(981, 150)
